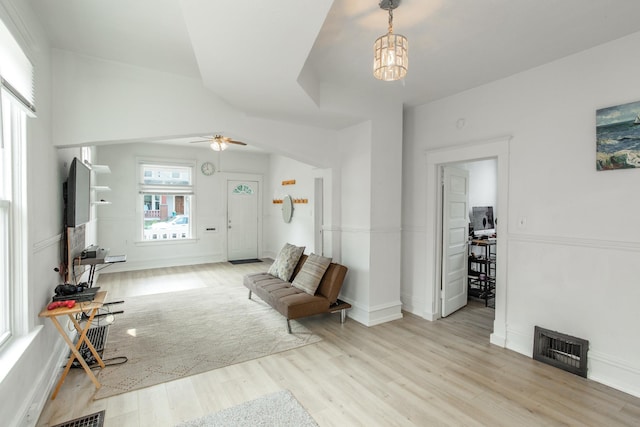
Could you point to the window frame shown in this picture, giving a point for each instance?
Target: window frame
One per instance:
(186, 190)
(13, 220)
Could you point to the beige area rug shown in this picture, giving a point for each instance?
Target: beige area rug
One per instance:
(173, 335)
(279, 409)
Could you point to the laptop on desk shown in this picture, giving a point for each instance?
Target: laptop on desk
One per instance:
(110, 259)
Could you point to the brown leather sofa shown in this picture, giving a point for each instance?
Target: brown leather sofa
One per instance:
(294, 303)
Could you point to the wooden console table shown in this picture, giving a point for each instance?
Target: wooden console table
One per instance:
(90, 307)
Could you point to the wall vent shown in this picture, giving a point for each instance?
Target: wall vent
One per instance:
(560, 350)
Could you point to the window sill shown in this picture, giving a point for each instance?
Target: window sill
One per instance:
(14, 349)
(162, 242)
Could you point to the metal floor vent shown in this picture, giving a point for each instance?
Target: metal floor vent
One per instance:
(560, 350)
(93, 420)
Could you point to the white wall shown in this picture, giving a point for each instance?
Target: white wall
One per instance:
(117, 222)
(300, 230)
(572, 233)
(483, 183)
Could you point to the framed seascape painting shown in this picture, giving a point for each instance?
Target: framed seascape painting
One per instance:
(618, 137)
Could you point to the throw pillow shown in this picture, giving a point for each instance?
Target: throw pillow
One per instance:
(286, 261)
(309, 276)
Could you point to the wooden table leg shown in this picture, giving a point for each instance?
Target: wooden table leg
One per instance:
(76, 355)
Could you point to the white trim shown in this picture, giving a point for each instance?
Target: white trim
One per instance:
(576, 241)
(38, 397)
(366, 230)
(435, 159)
(46, 243)
(162, 263)
(376, 315)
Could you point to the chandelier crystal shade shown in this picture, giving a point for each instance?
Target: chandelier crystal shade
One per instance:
(390, 51)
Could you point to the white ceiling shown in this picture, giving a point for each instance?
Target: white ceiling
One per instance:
(254, 53)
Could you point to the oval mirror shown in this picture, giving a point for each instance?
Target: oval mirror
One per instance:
(287, 208)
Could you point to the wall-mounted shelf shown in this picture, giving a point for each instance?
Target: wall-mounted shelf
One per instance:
(289, 182)
(100, 168)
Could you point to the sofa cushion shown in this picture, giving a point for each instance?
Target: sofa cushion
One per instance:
(311, 273)
(286, 261)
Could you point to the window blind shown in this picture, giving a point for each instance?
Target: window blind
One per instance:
(16, 71)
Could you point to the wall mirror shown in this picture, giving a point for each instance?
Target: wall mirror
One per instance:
(287, 208)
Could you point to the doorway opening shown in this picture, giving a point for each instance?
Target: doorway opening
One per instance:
(468, 217)
(482, 236)
(498, 150)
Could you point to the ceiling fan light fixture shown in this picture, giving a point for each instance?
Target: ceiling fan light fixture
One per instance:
(390, 51)
(218, 145)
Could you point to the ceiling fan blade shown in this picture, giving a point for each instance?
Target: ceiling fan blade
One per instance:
(231, 141)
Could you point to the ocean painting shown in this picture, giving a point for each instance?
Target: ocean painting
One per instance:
(618, 137)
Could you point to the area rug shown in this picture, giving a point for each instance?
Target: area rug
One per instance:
(245, 261)
(173, 335)
(278, 409)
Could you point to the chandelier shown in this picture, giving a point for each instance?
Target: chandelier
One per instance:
(390, 59)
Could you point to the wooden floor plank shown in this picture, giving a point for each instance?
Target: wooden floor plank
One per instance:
(409, 372)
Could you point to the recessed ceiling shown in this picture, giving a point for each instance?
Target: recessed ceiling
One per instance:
(255, 55)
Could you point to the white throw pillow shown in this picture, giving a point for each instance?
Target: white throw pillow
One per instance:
(309, 277)
(286, 261)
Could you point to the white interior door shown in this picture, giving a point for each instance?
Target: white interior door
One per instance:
(455, 223)
(242, 220)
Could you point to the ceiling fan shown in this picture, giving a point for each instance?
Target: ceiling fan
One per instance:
(219, 142)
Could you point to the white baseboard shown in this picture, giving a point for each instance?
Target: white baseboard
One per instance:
(498, 340)
(613, 373)
(161, 263)
(413, 309)
(518, 341)
(602, 368)
(375, 315)
(34, 404)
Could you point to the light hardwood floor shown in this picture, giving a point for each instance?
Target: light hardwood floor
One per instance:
(408, 372)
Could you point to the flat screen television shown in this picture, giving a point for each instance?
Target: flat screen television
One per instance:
(77, 194)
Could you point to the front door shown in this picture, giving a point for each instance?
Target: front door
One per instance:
(242, 220)
(455, 222)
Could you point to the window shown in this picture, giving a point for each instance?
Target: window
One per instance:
(166, 196)
(12, 212)
(16, 102)
(5, 210)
